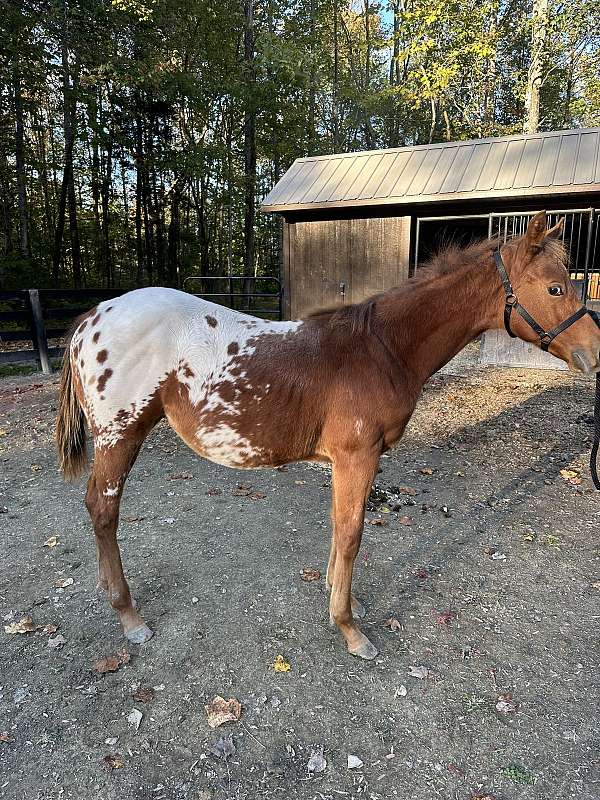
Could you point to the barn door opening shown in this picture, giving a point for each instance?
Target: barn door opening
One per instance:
(432, 234)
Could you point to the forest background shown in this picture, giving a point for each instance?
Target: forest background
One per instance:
(137, 137)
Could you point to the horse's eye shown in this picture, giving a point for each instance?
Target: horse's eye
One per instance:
(555, 291)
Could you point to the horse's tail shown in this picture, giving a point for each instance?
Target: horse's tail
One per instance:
(70, 425)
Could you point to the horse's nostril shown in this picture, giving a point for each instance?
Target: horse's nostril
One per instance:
(580, 361)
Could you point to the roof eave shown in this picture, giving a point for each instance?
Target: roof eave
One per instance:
(538, 191)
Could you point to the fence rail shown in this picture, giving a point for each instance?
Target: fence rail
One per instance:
(38, 316)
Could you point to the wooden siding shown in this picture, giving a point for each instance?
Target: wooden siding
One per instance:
(499, 350)
(365, 255)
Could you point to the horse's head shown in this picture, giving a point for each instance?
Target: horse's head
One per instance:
(537, 266)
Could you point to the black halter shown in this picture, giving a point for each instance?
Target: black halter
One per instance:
(511, 302)
(546, 339)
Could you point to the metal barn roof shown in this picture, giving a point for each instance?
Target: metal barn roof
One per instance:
(561, 162)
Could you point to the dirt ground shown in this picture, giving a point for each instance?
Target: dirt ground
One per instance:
(488, 563)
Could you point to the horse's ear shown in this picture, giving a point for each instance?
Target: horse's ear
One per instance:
(557, 231)
(536, 230)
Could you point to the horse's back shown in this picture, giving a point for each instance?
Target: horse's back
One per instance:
(158, 350)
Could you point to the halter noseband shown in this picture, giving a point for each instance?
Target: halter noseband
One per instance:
(511, 302)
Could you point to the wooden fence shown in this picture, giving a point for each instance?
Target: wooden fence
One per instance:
(44, 316)
(40, 316)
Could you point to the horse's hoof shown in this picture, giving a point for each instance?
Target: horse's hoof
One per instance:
(358, 610)
(140, 634)
(366, 650)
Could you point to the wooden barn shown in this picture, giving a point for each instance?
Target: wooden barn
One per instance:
(358, 223)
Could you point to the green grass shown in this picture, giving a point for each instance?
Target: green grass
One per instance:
(10, 370)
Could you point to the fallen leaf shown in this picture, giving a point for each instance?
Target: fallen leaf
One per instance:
(354, 762)
(56, 642)
(145, 694)
(506, 704)
(134, 718)
(112, 663)
(418, 672)
(455, 770)
(257, 496)
(483, 797)
(378, 521)
(214, 492)
(299, 483)
(52, 541)
(47, 629)
(36, 467)
(408, 490)
(569, 473)
(316, 762)
(281, 665)
(596, 585)
(224, 747)
(220, 711)
(4, 737)
(24, 625)
(443, 617)
(405, 520)
(393, 625)
(132, 519)
(181, 476)
(242, 490)
(426, 471)
(62, 583)
(113, 761)
(308, 574)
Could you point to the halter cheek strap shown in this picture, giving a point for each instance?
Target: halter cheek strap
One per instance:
(511, 303)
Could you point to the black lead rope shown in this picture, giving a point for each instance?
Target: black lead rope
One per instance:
(596, 443)
(546, 337)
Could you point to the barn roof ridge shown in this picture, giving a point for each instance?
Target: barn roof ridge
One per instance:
(544, 163)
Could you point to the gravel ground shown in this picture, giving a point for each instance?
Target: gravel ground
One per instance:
(482, 580)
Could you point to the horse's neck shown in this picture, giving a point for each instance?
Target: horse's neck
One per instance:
(427, 325)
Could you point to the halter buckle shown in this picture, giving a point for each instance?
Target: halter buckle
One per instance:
(511, 300)
(545, 341)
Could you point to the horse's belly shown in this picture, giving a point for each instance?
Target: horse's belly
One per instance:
(223, 444)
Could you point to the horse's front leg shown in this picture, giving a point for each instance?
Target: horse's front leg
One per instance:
(353, 475)
(358, 610)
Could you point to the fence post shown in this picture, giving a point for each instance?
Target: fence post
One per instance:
(38, 329)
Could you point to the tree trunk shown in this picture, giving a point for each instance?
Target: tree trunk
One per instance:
(539, 30)
(67, 193)
(20, 163)
(139, 156)
(336, 75)
(106, 188)
(249, 151)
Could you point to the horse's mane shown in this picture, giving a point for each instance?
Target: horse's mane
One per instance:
(449, 259)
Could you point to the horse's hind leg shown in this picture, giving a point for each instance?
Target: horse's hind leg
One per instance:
(103, 498)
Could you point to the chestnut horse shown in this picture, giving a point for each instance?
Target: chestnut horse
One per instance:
(339, 386)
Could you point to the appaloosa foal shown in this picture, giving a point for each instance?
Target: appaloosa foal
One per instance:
(339, 386)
